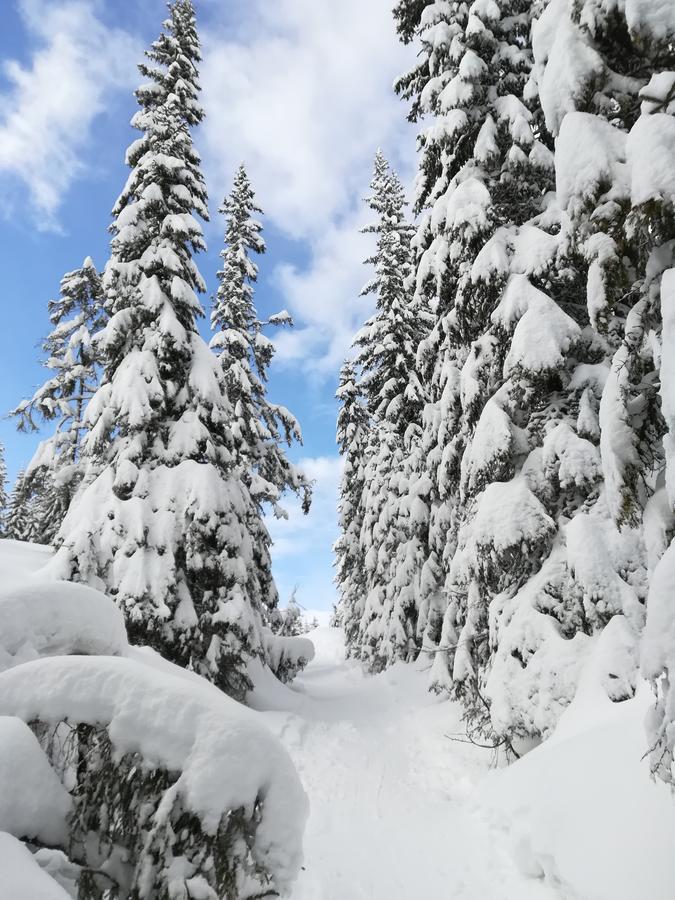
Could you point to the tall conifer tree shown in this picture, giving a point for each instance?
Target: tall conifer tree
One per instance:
(352, 440)
(18, 523)
(4, 498)
(482, 165)
(259, 428)
(513, 368)
(392, 395)
(605, 77)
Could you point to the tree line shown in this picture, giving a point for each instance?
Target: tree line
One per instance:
(506, 414)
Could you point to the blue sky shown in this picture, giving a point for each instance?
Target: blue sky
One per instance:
(298, 89)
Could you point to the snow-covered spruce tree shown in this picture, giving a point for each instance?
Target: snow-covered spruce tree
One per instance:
(44, 504)
(4, 497)
(385, 356)
(484, 164)
(606, 79)
(288, 622)
(352, 440)
(19, 519)
(54, 471)
(259, 428)
(160, 521)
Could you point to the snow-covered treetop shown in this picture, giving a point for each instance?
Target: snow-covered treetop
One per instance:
(156, 366)
(387, 343)
(245, 354)
(234, 300)
(176, 53)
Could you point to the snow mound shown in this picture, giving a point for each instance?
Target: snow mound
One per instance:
(223, 757)
(33, 802)
(22, 878)
(581, 810)
(51, 618)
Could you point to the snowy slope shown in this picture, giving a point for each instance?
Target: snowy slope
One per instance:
(398, 811)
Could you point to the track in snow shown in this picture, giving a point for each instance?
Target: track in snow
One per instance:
(391, 815)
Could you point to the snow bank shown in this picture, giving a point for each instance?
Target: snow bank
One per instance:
(224, 759)
(33, 802)
(50, 618)
(22, 878)
(19, 560)
(581, 809)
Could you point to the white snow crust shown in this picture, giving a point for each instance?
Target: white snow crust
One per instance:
(33, 802)
(21, 878)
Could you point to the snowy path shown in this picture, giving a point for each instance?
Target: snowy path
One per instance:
(391, 797)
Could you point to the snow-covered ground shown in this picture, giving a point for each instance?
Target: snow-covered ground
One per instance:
(398, 811)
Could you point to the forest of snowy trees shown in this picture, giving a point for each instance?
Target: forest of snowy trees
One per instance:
(505, 416)
(506, 424)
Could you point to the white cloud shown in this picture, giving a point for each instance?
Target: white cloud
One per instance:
(302, 90)
(301, 553)
(324, 299)
(49, 107)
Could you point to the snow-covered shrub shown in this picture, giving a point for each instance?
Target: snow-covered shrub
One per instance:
(138, 779)
(177, 791)
(287, 655)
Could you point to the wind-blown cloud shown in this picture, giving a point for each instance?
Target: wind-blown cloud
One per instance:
(49, 106)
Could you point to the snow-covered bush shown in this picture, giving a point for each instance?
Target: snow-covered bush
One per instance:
(287, 655)
(176, 791)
